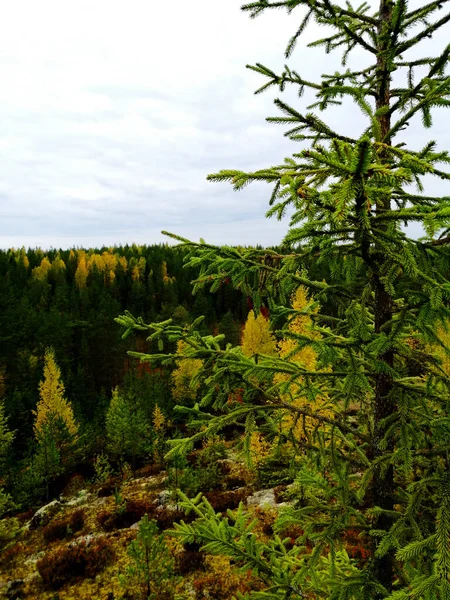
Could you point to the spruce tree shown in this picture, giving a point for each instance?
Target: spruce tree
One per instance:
(6, 440)
(6, 436)
(385, 472)
(126, 428)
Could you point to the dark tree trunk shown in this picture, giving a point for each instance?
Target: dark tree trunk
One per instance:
(384, 405)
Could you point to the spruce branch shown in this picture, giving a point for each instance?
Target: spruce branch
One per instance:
(309, 121)
(425, 33)
(340, 24)
(419, 14)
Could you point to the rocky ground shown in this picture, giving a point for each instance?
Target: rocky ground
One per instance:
(76, 545)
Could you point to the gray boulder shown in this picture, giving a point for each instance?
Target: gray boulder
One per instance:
(44, 514)
(263, 498)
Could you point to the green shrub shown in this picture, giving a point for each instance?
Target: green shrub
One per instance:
(5, 502)
(125, 514)
(102, 468)
(9, 528)
(206, 473)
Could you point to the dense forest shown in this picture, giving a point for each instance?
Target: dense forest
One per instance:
(67, 301)
(284, 432)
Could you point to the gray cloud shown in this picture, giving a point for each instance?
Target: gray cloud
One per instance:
(108, 138)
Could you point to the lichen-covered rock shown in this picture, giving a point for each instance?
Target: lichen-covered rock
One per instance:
(263, 498)
(189, 590)
(90, 538)
(82, 497)
(14, 589)
(32, 560)
(44, 514)
(164, 498)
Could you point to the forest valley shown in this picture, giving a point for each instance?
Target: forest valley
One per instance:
(282, 433)
(80, 421)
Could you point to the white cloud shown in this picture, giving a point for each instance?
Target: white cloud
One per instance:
(113, 114)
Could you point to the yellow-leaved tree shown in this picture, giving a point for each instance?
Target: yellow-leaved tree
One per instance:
(443, 333)
(257, 337)
(41, 272)
(82, 272)
(52, 405)
(184, 389)
(22, 258)
(58, 264)
(55, 427)
(137, 268)
(159, 429)
(300, 324)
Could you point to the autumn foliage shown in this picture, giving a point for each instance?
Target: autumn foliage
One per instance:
(53, 409)
(300, 324)
(257, 337)
(184, 386)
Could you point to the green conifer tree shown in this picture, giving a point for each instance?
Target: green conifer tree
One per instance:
(230, 329)
(386, 472)
(6, 436)
(126, 428)
(6, 439)
(151, 571)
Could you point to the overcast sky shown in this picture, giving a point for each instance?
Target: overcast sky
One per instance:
(112, 114)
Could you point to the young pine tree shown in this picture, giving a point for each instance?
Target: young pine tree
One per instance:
(386, 473)
(6, 436)
(151, 570)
